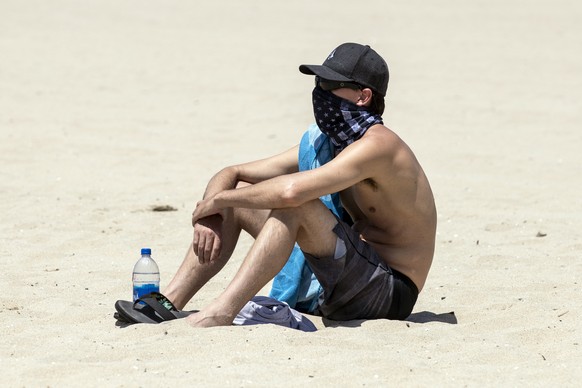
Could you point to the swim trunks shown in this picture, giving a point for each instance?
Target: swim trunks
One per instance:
(357, 284)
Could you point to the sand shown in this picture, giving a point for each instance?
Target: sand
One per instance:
(108, 108)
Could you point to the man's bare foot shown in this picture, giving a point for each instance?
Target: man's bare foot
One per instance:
(206, 319)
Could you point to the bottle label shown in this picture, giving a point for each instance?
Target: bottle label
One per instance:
(144, 289)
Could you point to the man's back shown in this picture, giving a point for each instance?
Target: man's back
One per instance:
(394, 208)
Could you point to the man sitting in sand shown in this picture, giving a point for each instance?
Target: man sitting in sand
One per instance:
(370, 266)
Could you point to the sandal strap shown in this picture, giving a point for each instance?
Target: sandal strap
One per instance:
(163, 301)
(151, 300)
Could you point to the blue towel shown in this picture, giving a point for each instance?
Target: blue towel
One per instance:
(296, 284)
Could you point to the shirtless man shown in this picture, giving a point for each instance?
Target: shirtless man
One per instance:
(372, 267)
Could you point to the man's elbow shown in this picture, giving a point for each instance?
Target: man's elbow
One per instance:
(229, 171)
(291, 196)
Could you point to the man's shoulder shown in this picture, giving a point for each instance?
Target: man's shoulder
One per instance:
(381, 138)
(381, 131)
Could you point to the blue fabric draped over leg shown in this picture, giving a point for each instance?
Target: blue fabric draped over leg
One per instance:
(296, 284)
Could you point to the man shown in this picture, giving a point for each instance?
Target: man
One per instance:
(373, 265)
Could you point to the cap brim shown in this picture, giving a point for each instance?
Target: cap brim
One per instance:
(323, 72)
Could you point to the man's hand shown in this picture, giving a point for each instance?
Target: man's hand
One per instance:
(205, 208)
(207, 242)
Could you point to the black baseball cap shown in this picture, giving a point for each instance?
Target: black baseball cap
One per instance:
(353, 62)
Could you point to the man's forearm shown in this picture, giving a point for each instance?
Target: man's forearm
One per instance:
(225, 179)
(270, 194)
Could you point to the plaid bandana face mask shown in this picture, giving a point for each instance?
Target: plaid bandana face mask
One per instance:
(343, 121)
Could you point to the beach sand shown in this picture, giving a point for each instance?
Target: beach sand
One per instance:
(108, 108)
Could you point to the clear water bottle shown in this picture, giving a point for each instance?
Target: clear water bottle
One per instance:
(146, 275)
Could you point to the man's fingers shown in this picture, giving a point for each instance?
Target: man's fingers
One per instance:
(216, 247)
(195, 241)
(199, 250)
(208, 243)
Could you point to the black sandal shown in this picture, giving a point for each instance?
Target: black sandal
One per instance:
(151, 308)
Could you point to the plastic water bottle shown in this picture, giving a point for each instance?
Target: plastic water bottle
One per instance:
(146, 275)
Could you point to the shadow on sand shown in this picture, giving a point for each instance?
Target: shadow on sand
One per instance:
(420, 317)
(427, 316)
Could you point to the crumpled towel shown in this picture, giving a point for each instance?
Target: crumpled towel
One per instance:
(262, 309)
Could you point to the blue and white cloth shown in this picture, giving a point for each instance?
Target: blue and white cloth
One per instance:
(296, 284)
(262, 310)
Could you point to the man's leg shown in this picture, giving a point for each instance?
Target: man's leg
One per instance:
(311, 225)
(192, 275)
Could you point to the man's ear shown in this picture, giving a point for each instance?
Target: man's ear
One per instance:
(365, 98)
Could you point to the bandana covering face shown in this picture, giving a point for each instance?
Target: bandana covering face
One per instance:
(343, 121)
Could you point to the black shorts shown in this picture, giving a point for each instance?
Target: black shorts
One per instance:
(358, 285)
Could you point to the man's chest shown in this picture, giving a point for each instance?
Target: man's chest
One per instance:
(362, 200)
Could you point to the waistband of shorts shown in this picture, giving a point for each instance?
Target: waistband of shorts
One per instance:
(403, 300)
(406, 280)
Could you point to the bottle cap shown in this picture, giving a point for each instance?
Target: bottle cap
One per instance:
(146, 251)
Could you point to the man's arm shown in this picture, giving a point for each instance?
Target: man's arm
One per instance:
(253, 172)
(207, 240)
(363, 159)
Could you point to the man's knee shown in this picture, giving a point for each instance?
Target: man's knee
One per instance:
(250, 220)
(314, 224)
(297, 212)
(306, 215)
